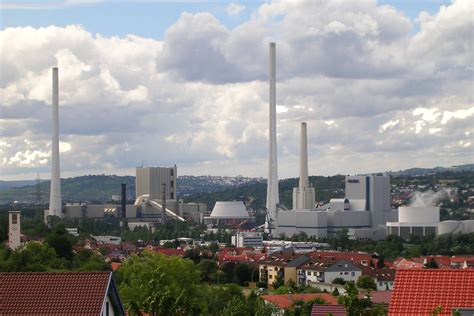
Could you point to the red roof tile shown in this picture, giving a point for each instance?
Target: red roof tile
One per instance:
(419, 292)
(324, 310)
(379, 297)
(286, 300)
(58, 293)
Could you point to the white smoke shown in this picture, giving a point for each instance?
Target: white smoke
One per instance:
(428, 198)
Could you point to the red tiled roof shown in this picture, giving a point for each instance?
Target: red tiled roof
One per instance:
(115, 265)
(58, 293)
(379, 297)
(170, 251)
(323, 310)
(286, 300)
(419, 292)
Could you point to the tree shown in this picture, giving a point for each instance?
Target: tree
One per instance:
(160, 285)
(366, 282)
(432, 264)
(59, 240)
(335, 292)
(214, 247)
(208, 269)
(381, 262)
(279, 281)
(243, 272)
(339, 280)
(353, 304)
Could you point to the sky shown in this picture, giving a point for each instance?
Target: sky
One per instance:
(383, 85)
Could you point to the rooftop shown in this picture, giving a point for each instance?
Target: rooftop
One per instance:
(286, 300)
(58, 293)
(419, 292)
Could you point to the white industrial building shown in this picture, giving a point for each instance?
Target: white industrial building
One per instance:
(453, 227)
(416, 221)
(247, 239)
(228, 213)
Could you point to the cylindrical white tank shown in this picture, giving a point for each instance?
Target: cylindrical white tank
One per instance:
(410, 214)
(468, 226)
(448, 227)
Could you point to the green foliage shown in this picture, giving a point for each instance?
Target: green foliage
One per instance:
(301, 308)
(432, 264)
(366, 282)
(159, 285)
(339, 280)
(354, 305)
(208, 270)
(60, 241)
(279, 281)
(335, 292)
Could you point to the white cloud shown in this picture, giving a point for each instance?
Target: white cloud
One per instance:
(234, 8)
(374, 95)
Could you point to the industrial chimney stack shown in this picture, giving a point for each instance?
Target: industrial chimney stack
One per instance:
(55, 204)
(272, 184)
(304, 195)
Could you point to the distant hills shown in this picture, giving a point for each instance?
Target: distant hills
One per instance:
(428, 171)
(205, 189)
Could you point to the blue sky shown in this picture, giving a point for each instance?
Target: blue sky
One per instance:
(149, 18)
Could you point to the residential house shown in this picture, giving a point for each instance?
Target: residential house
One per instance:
(421, 291)
(384, 278)
(59, 293)
(325, 270)
(282, 266)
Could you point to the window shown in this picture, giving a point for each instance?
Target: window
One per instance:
(315, 273)
(353, 273)
(171, 172)
(14, 219)
(270, 276)
(346, 273)
(172, 183)
(345, 266)
(309, 272)
(380, 283)
(171, 196)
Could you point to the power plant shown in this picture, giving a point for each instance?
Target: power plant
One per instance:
(365, 209)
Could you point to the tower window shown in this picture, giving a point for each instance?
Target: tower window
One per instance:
(14, 219)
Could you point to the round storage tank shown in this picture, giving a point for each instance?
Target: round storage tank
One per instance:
(448, 227)
(468, 226)
(408, 214)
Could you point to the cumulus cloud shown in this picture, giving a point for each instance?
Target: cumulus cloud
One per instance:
(375, 95)
(234, 8)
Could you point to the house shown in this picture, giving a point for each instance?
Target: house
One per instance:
(284, 301)
(282, 266)
(421, 291)
(59, 293)
(325, 270)
(384, 278)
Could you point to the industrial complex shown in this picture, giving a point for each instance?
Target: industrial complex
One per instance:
(365, 211)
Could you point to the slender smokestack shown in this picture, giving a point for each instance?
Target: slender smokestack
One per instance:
(124, 200)
(304, 182)
(55, 205)
(272, 185)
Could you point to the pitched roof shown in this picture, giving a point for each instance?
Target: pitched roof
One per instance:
(379, 297)
(58, 293)
(323, 310)
(419, 292)
(286, 300)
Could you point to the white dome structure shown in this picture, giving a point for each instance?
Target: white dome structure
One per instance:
(232, 209)
(468, 226)
(228, 213)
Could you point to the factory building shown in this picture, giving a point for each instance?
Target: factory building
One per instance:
(247, 239)
(363, 211)
(152, 184)
(156, 181)
(416, 221)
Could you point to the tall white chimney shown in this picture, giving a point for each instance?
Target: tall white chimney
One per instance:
(272, 185)
(304, 182)
(304, 195)
(55, 205)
